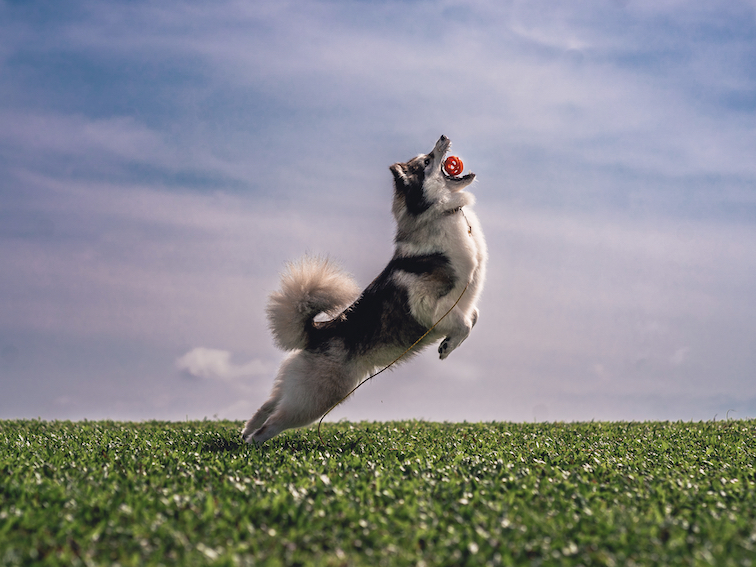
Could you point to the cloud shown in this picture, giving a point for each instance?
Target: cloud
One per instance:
(517, 86)
(88, 258)
(216, 364)
(121, 137)
(74, 145)
(680, 356)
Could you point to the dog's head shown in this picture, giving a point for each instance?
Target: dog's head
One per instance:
(421, 184)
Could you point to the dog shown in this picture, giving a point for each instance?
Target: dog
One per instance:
(439, 258)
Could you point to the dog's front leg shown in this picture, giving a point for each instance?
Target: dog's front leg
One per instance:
(457, 328)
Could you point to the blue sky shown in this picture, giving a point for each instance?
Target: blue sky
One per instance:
(160, 162)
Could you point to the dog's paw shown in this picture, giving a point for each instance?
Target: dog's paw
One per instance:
(246, 433)
(249, 439)
(444, 349)
(450, 343)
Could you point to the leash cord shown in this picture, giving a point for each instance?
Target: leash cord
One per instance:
(391, 363)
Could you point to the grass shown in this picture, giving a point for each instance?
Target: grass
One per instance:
(402, 493)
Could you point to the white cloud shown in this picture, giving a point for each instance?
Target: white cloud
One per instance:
(122, 137)
(96, 147)
(680, 356)
(142, 261)
(211, 363)
(495, 87)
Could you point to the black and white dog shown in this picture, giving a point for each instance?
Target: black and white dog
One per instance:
(440, 257)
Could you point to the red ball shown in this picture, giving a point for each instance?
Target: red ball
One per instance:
(453, 165)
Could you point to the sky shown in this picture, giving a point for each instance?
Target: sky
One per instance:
(161, 162)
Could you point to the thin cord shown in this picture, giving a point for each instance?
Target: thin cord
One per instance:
(392, 362)
(469, 226)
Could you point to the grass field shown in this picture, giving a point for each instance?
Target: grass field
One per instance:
(401, 493)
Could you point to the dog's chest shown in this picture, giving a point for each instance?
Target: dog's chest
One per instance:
(463, 248)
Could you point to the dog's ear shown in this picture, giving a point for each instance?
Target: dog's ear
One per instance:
(408, 184)
(400, 175)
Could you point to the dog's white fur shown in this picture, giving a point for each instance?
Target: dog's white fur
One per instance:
(440, 257)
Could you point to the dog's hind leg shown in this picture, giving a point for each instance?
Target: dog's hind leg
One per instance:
(279, 421)
(260, 417)
(272, 427)
(297, 409)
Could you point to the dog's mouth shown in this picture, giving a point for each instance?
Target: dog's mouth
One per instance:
(439, 153)
(460, 179)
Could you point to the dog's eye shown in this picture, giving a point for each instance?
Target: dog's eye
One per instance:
(427, 161)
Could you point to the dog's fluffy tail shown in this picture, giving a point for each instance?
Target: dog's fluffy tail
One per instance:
(308, 287)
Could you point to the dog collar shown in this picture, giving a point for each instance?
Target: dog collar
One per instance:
(454, 210)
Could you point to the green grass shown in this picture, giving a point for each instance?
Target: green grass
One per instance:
(402, 493)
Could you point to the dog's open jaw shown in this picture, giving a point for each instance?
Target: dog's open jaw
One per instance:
(438, 154)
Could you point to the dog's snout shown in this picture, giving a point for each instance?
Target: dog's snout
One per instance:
(442, 145)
